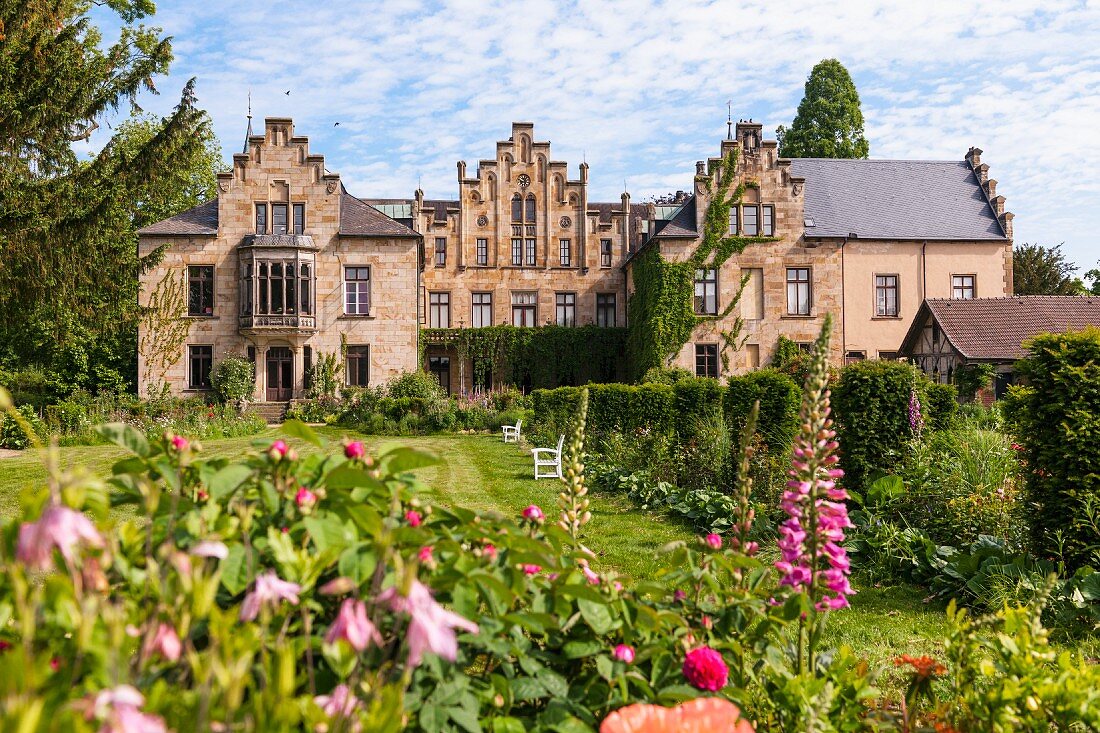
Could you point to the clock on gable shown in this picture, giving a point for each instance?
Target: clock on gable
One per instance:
(524, 180)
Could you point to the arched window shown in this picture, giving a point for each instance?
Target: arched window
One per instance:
(517, 208)
(529, 209)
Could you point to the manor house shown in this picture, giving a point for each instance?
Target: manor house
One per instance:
(289, 269)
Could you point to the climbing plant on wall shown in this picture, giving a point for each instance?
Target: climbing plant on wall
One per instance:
(662, 311)
(543, 357)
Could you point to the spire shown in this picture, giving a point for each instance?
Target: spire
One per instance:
(729, 119)
(248, 132)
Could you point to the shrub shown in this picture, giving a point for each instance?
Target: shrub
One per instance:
(969, 378)
(416, 384)
(67, 416)
(16, 433)
(941, 404)
(666, 375)
(695, 401)
(323, 377)
(779, 400)
(1057, 420)
(621, 408)
(234, 379)
(871, 401)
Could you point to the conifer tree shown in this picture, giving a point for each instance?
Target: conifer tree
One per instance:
(68, 252)
(829, 122)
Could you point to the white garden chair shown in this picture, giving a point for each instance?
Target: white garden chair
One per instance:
(551, 461)
(511, 432)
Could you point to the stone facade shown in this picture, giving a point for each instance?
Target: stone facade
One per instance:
(278, 170)
(522, 244)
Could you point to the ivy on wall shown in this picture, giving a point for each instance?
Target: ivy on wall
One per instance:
(541, 357)
(662, 308)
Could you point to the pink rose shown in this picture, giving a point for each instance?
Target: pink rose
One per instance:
(623, 653)
(355, 449)
(714, 541)
(278, 450)
(532, 569)
(533, 513)
(305, 498)
(490, 551)
(179, 443)
(704, 669)
(413, 518)
(425, 554)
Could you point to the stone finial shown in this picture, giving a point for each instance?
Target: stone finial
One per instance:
(700, 168)
(998, 204)
(990, 188)
(983, 172)
(461, 170)
(1006, 222)
(974, 155)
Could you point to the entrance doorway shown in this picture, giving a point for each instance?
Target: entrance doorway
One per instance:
(280, 374)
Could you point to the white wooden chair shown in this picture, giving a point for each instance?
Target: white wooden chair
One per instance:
(551, 461)
(511, 432)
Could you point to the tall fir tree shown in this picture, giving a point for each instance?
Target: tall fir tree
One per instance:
(829, 122)
(68, 248)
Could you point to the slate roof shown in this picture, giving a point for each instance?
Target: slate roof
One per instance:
(995, 328)
(360, 219)
(895, 199)
(200, 220)
(680, 225)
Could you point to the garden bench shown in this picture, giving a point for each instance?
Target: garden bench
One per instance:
(511, 432)
(552, 461)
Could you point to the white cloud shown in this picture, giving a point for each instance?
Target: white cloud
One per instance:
(638, 87)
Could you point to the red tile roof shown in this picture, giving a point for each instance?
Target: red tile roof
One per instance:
(995, 328)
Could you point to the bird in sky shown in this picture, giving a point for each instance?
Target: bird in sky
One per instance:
(335, 124)
(287, 92)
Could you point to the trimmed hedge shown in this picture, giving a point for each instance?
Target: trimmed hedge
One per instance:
(1057, 420)
(941, 406)
(695, 400)
(622, 408)
(779, 398)
(871, 409)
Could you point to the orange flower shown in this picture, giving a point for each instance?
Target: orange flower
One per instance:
(925, 667)
(703, 715)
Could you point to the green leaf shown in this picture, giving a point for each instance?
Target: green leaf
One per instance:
(328, 533)
(507, 725)
(579, 649)
(528, 688)
(596, 615)
(126, 436)
(235, 575)
(346, 476)
(466, 719)
(400, 460)
(357, 563)
(225, 481)
(605, 667)
(554, 683)
(298, 429)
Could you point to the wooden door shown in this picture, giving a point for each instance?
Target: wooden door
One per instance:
(280, 374)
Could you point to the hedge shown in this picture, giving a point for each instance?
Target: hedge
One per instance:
(621, 408)
(779, 398)
(1057, 420)
(695, 401)
(871, 409)
(941, 406)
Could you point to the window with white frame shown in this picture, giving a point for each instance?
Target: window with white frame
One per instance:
(751, 221)
(799, 291)
(962, 287)
(768, 220)
(706, 292)
(524, 308)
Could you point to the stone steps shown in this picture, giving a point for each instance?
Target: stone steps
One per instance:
(272, 412)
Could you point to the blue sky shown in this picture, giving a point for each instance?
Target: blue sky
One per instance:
(638, 88)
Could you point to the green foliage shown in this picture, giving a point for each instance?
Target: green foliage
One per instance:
(541, 358)
(415, 384)
(969, 378)
(1057, 420)
(620, 408)
(1039, 270)
(789, 359)
(941, 405)
(829, 121)
(68, 288)
(19, 432)
(662, 308)
(666, 375)
(779, 400)
(871, 404)
(324, 376)
(695, 400)
(234, 379)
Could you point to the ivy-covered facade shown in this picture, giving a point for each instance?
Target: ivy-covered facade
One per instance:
(523, 280)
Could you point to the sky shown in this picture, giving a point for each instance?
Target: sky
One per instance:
(639, 88)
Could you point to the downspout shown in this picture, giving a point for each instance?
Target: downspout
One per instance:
(843, 307)
(923, 272)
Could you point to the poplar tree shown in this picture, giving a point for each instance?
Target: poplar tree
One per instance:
(829, 122)
(68, 249)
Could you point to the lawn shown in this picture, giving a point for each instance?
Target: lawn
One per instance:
(480, 472)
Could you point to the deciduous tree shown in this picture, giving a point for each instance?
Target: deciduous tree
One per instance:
(1039, 270)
